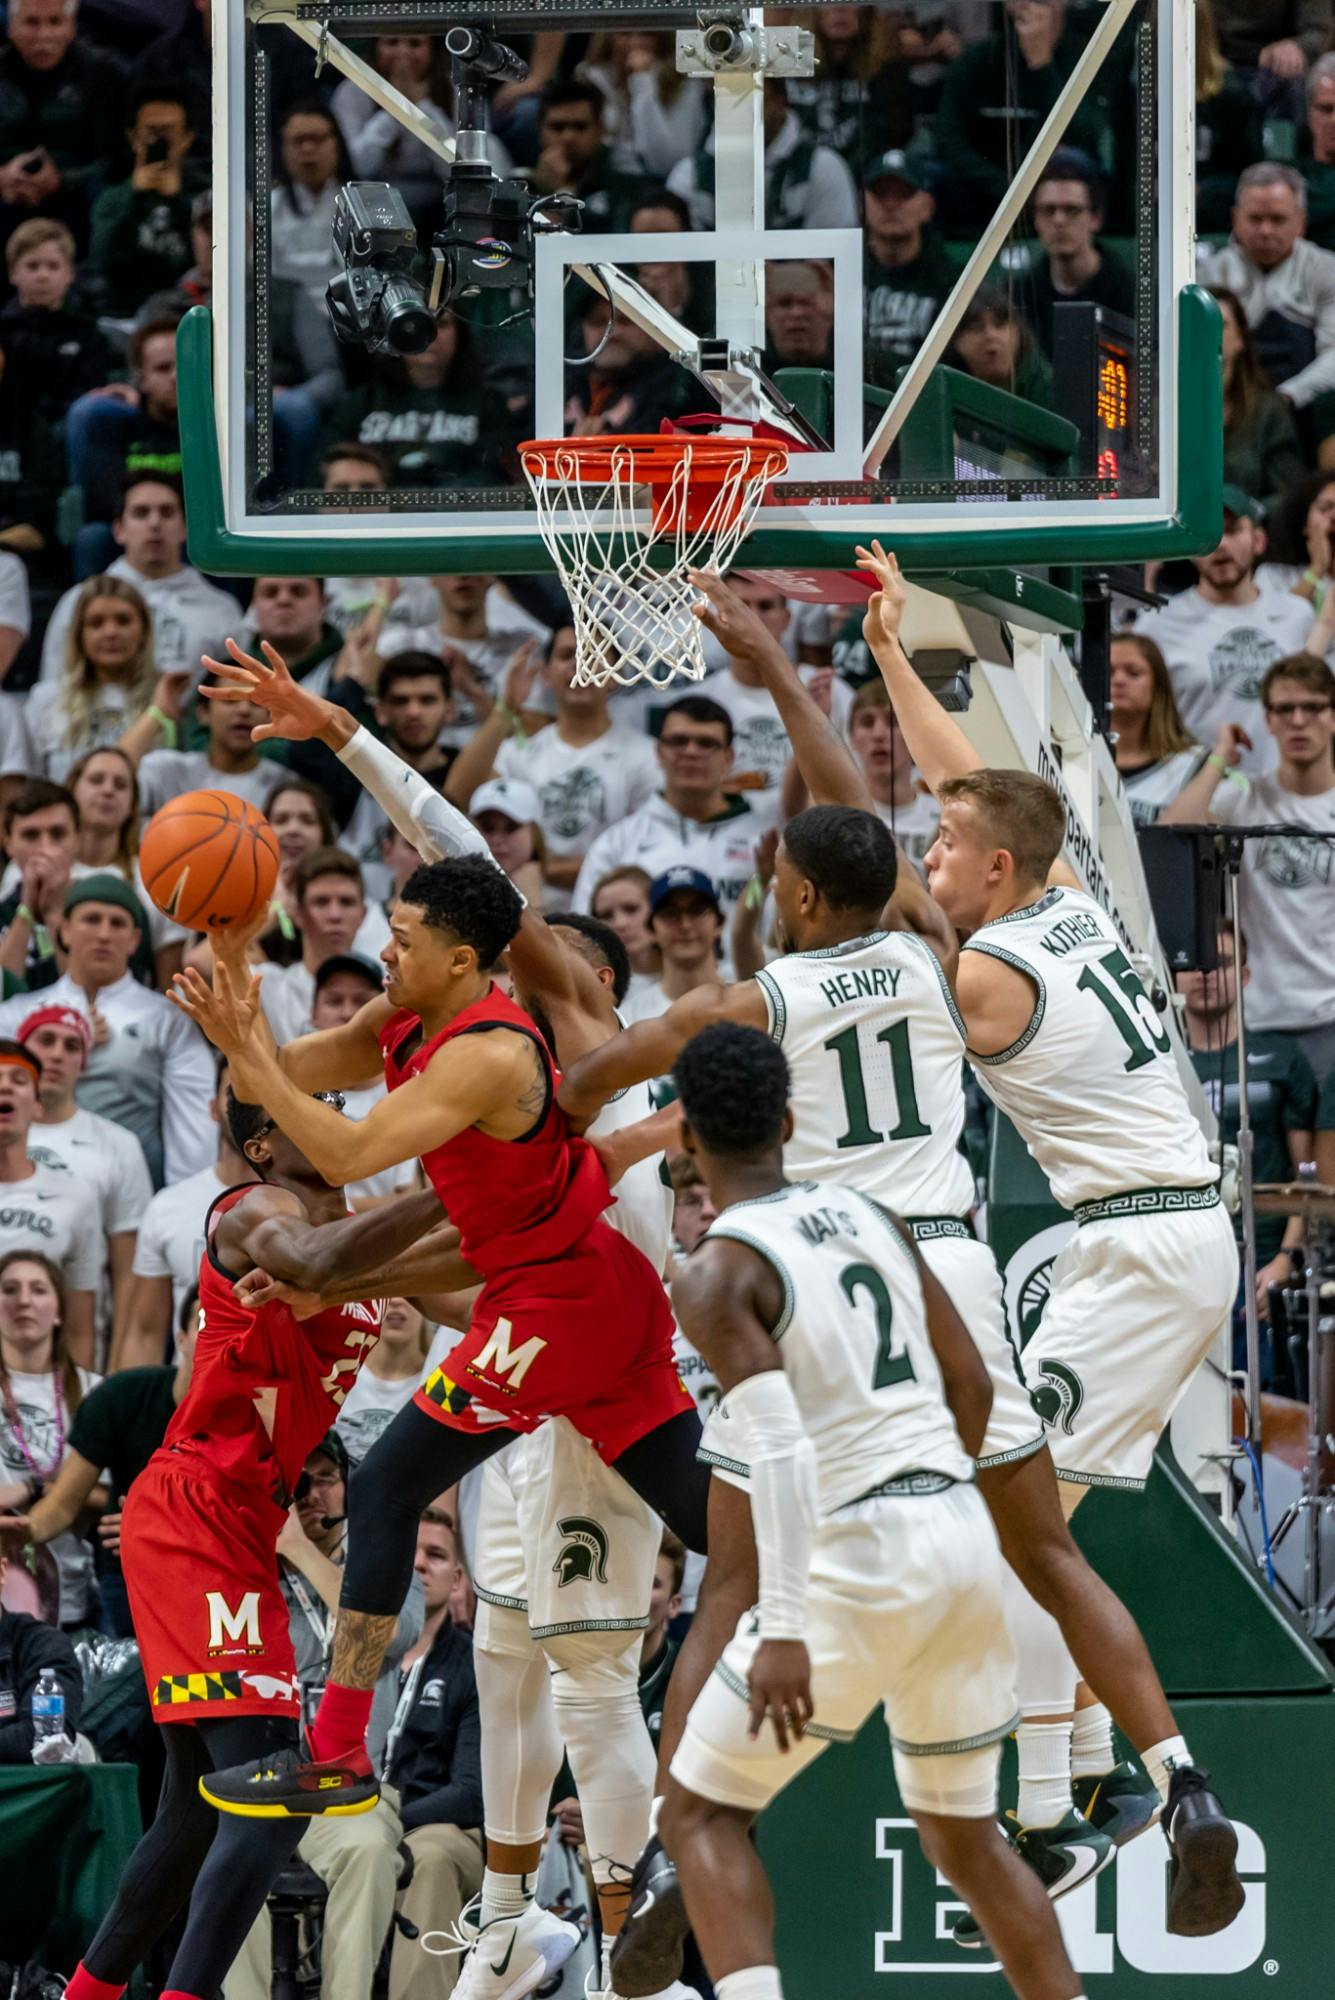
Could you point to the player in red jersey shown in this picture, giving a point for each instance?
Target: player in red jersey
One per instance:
(572, 1319)
(197, 1548)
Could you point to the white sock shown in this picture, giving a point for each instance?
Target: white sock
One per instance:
(505, 1895)
(756, 1982)
(1045, 1772)
(1162, 1759)
(1092, 1753)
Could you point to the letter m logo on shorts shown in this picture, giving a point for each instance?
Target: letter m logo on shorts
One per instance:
(241, 1626)
(510, 1363)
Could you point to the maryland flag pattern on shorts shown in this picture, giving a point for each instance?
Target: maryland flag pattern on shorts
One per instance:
(175, 1688)
(439, 1389)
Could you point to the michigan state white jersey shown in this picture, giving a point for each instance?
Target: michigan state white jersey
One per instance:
(1091, 1084)
(642, 1210)
(875, 1048)
(853, 1339)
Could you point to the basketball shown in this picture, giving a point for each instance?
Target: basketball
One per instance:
(209, 860)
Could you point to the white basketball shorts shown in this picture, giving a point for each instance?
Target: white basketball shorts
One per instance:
(563, 1538)
(1136, 1301)
(903, 1607)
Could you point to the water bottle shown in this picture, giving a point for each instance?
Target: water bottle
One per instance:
(48, 1708)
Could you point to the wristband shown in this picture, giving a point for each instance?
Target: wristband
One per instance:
(510, 717)
(25, 915)
(756, 890)
(165, 724)
(1225, 770)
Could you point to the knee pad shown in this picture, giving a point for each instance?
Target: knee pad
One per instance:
(959, 1784)
(594, 1679)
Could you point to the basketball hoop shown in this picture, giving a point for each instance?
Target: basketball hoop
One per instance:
(633, 619)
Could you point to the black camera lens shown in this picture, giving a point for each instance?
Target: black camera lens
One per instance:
(408, 326)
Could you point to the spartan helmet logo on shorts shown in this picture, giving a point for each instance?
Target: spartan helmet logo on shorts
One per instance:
(1058, 1395)
(583, 1555)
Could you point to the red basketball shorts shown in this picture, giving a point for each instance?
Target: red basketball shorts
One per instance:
(202, 1578)
(587, 1336)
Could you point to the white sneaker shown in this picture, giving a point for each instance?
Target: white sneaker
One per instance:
(513, 1955)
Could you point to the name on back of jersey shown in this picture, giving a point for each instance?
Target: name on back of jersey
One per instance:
(863, 982)
(1070, 931)
(822, 1223)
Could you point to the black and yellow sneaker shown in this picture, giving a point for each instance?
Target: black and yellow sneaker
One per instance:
(647, 1955)
(1120, 1802)
(291, 1784)
(1062, 1856)
(1204, 1893)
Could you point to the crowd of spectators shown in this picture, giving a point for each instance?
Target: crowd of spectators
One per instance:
(657, 810)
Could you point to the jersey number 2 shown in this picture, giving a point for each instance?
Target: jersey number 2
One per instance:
(890, 1367)
(853, 1082)
(1143, 1036)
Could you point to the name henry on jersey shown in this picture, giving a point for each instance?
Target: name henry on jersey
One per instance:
(863, 982)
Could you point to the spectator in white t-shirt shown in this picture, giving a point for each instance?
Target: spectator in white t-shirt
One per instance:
(587, 769)
(329, 911)
(698, 820)
(46, 1208)
(152, 1073)
(1154, 753)
(505, 813)
(1288, 879)
(878, 744)
(363, 468)
(110, 689)
(387, 1378)
(171, 1244)
(41, 1386)
(15, 608)
(231, 763)
(686, 921)
(1220, 637)
(97, 1151)
(190, 615)
(414, 706)
(479, 625)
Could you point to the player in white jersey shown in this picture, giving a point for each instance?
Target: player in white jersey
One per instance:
(1066, 1042)
(876, 1045)
(850, 1383)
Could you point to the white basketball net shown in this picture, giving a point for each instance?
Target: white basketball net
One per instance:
(633, 621)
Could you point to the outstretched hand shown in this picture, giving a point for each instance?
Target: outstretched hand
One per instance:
(738, 629)
(885, 610)
(295, 714)
(225, 1011)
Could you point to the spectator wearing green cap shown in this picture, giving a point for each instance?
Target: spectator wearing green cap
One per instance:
(153, 1073)
(1220, 637)
(907, 275)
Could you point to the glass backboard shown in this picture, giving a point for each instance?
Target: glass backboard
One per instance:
(752, 213)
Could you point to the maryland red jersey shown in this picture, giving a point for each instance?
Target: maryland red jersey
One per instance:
(265, 1386)
(515, 1202)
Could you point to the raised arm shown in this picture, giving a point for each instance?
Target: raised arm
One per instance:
(829, 769)
(650, 1048)
(937, 744)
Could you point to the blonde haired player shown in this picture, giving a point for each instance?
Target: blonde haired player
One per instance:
(857, 1398)
(1065, 1041)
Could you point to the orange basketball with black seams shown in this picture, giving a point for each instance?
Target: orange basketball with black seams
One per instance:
(209, 861)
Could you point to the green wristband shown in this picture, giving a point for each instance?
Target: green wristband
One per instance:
(165, 724)
(25, 915)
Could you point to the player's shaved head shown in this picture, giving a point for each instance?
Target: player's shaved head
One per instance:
(599, 946)
(847, 855)
(732, 1084)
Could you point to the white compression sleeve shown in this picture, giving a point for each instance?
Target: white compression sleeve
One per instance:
(438, 830)
(783, 1496)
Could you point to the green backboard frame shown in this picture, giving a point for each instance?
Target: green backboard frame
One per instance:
(1193, 527)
